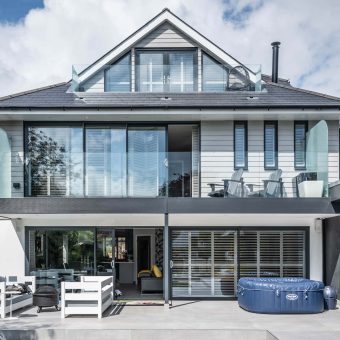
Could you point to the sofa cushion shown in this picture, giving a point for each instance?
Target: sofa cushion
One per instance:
(156, 271)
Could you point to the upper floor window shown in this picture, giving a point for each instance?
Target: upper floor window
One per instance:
(300, 134)
(270, 145)
(166, 71)
(240, 145)
(214, 75)
(118, 75)
(54, 160)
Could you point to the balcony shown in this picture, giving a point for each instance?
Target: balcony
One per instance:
(180, 77)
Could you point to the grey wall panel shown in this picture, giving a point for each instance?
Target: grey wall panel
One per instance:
(331, 252)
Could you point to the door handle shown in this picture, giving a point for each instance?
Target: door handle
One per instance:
(171, 263)
(112, 264)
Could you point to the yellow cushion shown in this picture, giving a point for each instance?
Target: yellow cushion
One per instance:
(156, 271)
(144, 271)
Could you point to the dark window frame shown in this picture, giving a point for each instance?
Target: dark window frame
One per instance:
(84, 125)
(245, 124)
(165, 52)
(276, 140)
(305, 123)
(130, 73)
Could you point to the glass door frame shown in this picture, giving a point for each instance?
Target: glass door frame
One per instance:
(166, 65)
(238, 229)
(28, 229)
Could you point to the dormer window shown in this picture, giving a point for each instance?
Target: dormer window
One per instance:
(166, 71)
(215, 75)
(118, 75)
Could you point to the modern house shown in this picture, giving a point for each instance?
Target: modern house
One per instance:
(169, 151)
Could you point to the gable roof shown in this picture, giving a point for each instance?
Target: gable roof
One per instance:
(164, 16)
(275, 96)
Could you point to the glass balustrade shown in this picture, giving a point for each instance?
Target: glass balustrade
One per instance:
(179, 75)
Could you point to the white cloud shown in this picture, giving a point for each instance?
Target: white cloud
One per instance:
(41, 49)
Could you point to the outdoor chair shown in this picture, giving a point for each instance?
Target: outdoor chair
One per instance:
(272, 187)
(233, 187)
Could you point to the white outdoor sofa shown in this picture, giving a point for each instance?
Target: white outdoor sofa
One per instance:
(17, 301)
(91, 296)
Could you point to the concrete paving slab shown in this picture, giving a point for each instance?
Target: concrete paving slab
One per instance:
(198, 317)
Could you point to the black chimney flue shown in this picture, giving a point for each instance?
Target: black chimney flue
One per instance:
(275, 64)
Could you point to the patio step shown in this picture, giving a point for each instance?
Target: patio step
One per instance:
(135, 334)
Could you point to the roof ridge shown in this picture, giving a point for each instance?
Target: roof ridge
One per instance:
(298, 89)
(18, 94)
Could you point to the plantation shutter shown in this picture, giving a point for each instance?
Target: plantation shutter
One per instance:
(300, 145)
(195, 183)
(240, 145)
(272, 253)
(270, 147)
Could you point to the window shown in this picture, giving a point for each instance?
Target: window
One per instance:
(270, 145)
(214, 77)
(105, 161)
(166, 71)
(240, 145)
(300, 133)
(118, 76)
(112, 160)
(54, 160)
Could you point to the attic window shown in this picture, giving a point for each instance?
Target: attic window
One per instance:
(118, 75)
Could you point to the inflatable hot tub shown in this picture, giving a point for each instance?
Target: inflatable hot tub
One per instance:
(280, 295)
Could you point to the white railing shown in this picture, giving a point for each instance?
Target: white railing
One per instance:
(91, 296)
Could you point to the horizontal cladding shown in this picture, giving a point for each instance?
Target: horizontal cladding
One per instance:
(217, 154)
(14, 130)
(165, 36)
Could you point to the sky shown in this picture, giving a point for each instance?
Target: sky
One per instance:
(41, 39)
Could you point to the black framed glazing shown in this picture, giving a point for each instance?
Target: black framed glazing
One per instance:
(102, 125)
(270, 163)
(166, 65)
(300, 144)
(241, 143)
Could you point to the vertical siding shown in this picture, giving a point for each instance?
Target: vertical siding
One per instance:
(217, 158)
(14, 132)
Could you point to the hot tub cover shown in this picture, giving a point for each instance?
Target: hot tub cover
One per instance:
(281, 295)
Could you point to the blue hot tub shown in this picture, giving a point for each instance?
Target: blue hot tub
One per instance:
(280, 295)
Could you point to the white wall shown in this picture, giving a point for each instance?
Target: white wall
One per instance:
(12, 248)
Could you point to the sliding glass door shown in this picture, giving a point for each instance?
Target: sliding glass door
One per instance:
(208, 263)
(166, 71)
(147, 162)
(105, 161)
(112, 160)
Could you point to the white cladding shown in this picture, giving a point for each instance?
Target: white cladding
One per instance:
(15, 134)
(217, 153)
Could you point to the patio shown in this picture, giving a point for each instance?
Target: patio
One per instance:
(184, 320)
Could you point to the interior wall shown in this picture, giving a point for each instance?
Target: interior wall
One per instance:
(143, 232)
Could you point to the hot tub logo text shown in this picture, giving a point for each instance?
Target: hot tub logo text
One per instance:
(291, 297)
